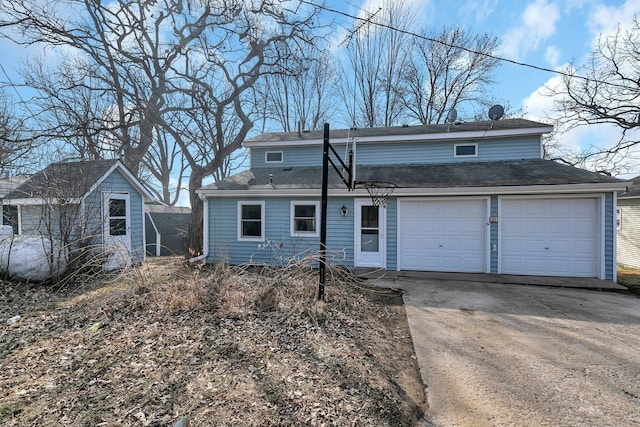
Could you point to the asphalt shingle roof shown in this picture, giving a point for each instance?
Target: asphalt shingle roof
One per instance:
(634, 189)
(440, 175)
(506, 124)
(65, 179)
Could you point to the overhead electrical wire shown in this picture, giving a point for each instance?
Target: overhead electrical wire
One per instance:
(466, 49)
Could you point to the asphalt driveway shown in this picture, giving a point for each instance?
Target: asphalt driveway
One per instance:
(494, 354)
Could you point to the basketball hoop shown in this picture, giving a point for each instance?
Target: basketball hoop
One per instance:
(379, 191)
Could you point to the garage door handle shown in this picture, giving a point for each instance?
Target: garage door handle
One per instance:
(441, 245)
(547, 248)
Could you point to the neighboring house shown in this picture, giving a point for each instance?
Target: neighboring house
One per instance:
(470, 197)
(629, 225)
(97, 204)
(10, 213)
(167, 228)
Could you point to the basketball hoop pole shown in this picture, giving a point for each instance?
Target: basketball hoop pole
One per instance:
(322, 270)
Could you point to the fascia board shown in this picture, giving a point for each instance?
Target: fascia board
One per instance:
(412, 192)
(127, 175)
(441, 136)
(37, 201)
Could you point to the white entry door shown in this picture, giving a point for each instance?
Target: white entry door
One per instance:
(116, 230)
(370, 230)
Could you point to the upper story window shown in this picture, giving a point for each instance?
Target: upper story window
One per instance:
(304, 219)
(251, 221)
(465, 150)
(273, 157)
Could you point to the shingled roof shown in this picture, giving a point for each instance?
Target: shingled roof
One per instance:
(398, 131)
(445, 175)
(633, 190)
(69, 180)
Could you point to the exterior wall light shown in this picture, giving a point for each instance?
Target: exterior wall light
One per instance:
(344, 210)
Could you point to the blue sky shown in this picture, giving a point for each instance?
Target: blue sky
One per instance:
(545, 33)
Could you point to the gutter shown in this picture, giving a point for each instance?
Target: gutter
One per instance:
(205, 232)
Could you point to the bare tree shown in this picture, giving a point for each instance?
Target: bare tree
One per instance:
(445, 70)
(299, 90)
(15, 141)
(371, 74)
(157, 61)
(606, 90)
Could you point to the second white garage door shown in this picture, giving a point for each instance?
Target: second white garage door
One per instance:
(443, 235)
(549, 237)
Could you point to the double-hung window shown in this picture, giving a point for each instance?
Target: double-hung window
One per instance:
(304, 219)
(251, 221)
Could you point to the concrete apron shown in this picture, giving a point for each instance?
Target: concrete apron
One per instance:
(496, 354)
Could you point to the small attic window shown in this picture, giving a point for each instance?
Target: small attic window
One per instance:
(273, 157)
(465, 150)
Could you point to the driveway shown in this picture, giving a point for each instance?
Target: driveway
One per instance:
(494, 354)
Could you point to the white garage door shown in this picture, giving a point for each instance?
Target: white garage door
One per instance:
(443, 235)
(549, 237)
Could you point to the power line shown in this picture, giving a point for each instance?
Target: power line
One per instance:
(466, 49)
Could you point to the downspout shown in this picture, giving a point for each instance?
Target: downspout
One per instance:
(205, 231)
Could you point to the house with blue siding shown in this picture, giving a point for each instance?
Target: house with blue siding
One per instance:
(469, 197)
(94, 207)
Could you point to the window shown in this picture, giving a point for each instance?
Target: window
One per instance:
(117, 217)
(10, 217)
(251, 221)
(273, 157)
(465, 150)
(304, 219)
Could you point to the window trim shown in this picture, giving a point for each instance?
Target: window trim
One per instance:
(466, 144)
(293, 232)
(266, 157)
(242, 238)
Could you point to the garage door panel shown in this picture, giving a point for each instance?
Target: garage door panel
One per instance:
(549, 237)
(443, 235)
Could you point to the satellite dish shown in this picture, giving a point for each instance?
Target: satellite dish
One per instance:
(496, 112)
(452, 116)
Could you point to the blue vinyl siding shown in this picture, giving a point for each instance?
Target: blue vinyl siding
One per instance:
(527, 147)
(609, 229)
(493, 236)
(279, 246)
(117, 183)
(392, 233)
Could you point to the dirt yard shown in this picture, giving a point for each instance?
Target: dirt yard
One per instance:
(221, 346)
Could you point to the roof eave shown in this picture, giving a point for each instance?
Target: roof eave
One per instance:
(421, 191)
(443, 136)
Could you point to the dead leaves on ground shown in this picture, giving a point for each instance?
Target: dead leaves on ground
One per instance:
(224, 346)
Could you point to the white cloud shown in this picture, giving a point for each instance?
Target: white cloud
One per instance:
(605, 20)
(552, 56)
(537, 24)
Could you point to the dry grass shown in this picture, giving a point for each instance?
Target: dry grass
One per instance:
(629, 277)
(225, 346)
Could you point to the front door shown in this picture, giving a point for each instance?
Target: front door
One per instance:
(370, 230)
(116, 230)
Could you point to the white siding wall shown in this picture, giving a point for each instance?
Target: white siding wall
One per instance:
(629, 233)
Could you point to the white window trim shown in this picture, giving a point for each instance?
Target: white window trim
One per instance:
(455, 146)
(242, 238)
(266, 155)
(295, 233)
